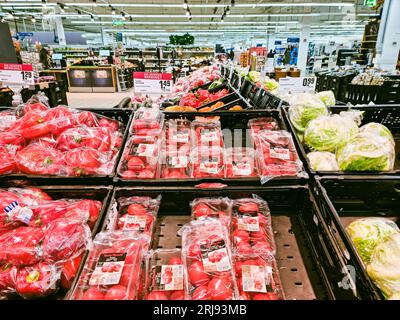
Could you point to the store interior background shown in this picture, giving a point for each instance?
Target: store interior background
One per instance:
(310, 36)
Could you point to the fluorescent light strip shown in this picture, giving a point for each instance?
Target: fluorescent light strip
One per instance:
(38, 5)
(185, 23)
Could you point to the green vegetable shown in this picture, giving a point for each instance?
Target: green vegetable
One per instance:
(384, 268)
(326, 133)
(270, 84)
(304, 108)
(367, 233)
(366, 152)
(379, 130)
(323, 161)
(215, 84)
(327, 97)
(253, 76)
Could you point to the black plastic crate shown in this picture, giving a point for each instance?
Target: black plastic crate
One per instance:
(388, 115)
(122, 115)
(100, 193)
(266, 100)
(342, 201)
(298, 252)
(230, 120)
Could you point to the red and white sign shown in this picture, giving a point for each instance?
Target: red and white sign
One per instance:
(152, 82)
(14, 73)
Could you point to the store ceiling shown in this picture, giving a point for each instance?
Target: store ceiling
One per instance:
(147, 19)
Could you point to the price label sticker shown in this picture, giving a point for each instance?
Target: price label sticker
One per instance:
(301, 84)
(15, 73)
(152, 82)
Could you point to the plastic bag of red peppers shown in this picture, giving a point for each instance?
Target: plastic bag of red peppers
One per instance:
(253, 246)
(165, 275)
(207, 257)
(112, 268)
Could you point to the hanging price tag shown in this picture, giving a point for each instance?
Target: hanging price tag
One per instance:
(152, 82)
(302, 84)
(14, 73)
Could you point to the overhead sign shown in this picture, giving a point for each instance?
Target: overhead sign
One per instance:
(118, 23)
(152, 82)
(24, 34)
(300, 84)
(15, 73)
(370, 3)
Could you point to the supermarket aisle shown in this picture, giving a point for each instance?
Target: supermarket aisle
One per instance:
(97, 100)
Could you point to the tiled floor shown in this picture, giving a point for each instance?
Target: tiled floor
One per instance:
(97, 100)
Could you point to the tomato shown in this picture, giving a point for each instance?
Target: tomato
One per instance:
(202, 210)
(12, 138)
(38, 159)
(201, 293)
(112, 124)
(36, 281)
(240, 236)
(265, 296)
(7, 274)
(69, 271)
(127, 275)
(220, 288)
(177, 295)
(95, 138)
(135, 164)
(129, 174)
(175, 261)
(85, 208)
(32, 196)
(93, 294)
(37, 106)
(61, 118)
(248, 207)
(157, 295)
(7, 163)
(116, 292)
(244, 248)
(136, 209)
(197, 276)
(87, 118)
(194, 251)
(64, 238)
(262, 247)
(83, 161)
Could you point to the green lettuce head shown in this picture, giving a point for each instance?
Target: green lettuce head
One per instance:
(322, 161)
(304, 108)
(384, 267)
(253, 76)
(367, 233)
(327, 97)
(379, 130)
(366, 152)
(271, 84)
(326, 133)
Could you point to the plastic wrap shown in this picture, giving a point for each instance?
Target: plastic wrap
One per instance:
(8, 119)
(276, 155)
(258, 278)
(112, 269)
(252, 233)
(322, 161)
(147, 122)
(140, 158)
(208, 162)
(69, 270)
(207, 134)
(175, 165)
(258, 124)
(165, 275)
(240, 163)
(88, 161)
(178, 136)
(207, 256)
(219, 208)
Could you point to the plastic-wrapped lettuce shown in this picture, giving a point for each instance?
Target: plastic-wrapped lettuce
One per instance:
(356, 115)
(304, 108)
(327, 97)
(323, 161)
(379, 130)
(270, 84)
(326, 133)
(367, 233)
(366, 151)
(384, 267)
(253, 76)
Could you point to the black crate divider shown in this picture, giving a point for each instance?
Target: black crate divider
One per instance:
(122, 115)
(388, 115)
(342, 201)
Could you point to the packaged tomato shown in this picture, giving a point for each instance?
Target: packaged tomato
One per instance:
(208, 162)
(207, 134)
(276, 155)
(140, 158)
(258, 278)
(112, 268)
(252, 228)
(207, 257)
(240, 163)
(31, 196)
(264, 123)
(134, 213)
(177, 136)
(147, 122)
(8, 119)
(35, 103)
(165, 275)
(175, 165)
(217, 208)
(7, 279)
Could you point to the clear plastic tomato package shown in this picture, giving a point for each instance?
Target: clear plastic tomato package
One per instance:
(208, 162)
(165, 275)
(258, 278)
(207, 257)
(256, 125)
(240, 163)
(177, 136)
(134, 213)
(217, 208)
(147, 122)
(175, 165)
(112, 268)
(140, 158)
(276, 155)
(207, 133)
(252, 228)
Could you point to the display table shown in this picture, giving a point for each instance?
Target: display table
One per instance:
(58, 74)
(92, 79)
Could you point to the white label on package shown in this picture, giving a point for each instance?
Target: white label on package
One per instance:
(179, 162)
(145, 150)
(108, 269)
(171, 277)
(215, 258)
(256, 278)
(280, 153)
